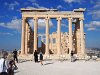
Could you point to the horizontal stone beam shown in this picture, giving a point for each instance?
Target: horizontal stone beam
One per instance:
(52, 16)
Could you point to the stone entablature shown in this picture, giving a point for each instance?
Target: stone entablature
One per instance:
(52, 14)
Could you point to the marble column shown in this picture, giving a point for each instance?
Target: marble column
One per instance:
(59, 36)
(51, 42)
(70, 35)
(23, 36)
(26, 39)
(82, 37)
(29, 32)
(35, 33)
(47, 37)
(77, 37)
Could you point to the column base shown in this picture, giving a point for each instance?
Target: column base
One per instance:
(47, 56)
(81, 56)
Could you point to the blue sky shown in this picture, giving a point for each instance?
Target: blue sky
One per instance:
(10, 19)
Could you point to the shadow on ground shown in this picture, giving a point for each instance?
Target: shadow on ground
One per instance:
(48, 63)
(16, 71)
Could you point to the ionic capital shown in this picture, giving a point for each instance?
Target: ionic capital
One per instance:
(23, 18)
(47, 18)
(35, 18)
(26, 20)
(70, 18)
(81, 18)
(59, 18)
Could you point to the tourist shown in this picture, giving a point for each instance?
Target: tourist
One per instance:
(3, 64)
(72, 56)
(41, 57)
(12, 65)
(68, 51)
(15, 55)
(35, 56)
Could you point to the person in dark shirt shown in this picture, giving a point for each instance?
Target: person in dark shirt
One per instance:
(41, 57)
(72, 53)
(72, 56)
(35, 56)
(15, 55)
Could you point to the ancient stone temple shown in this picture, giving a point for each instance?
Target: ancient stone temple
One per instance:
(56, 43)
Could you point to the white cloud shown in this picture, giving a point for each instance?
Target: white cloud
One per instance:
(35, 5)
(5, 3)
(11, 6)
(29, 7)
(70, 1)
(14, 17)
(91, 29)
(2, 24)
(1, 33)
(64, 24)
(95, 14)
(14, 24)
(38, 6)
(41, 23)
(93, 25)
(97, 5)
(95, 10)
(3, 16)
(59, 7)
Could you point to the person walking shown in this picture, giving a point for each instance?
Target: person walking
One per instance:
(41, 57)
(72, 56)
(4, 64)
(35, 56)
(15, 55)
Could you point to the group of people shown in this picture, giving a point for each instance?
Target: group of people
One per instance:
(7, 63)
(36, 57)
(41, 56)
